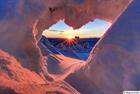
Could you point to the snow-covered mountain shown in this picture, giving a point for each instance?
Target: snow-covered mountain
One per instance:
(79, 49)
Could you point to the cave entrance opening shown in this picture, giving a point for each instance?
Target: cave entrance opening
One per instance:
(77, 44)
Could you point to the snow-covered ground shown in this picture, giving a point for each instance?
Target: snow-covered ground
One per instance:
(60, 62)
(59, 70)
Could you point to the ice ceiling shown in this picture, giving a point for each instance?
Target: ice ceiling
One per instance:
(79, 12)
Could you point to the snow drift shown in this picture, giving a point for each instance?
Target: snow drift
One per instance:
(22, 23)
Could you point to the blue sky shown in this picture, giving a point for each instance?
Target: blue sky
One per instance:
(92, 29)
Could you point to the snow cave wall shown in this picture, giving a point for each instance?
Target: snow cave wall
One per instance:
(22, 23)
(114, 64)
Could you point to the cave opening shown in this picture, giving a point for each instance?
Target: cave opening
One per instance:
(62, 39)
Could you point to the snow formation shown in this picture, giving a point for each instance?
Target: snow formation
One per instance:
(21, 25)
(114, 63)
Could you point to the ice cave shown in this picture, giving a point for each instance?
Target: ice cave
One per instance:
(112, 67)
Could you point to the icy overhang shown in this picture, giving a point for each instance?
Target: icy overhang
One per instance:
(79, 12)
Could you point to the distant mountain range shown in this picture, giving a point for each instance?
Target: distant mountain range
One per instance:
(75, 48)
